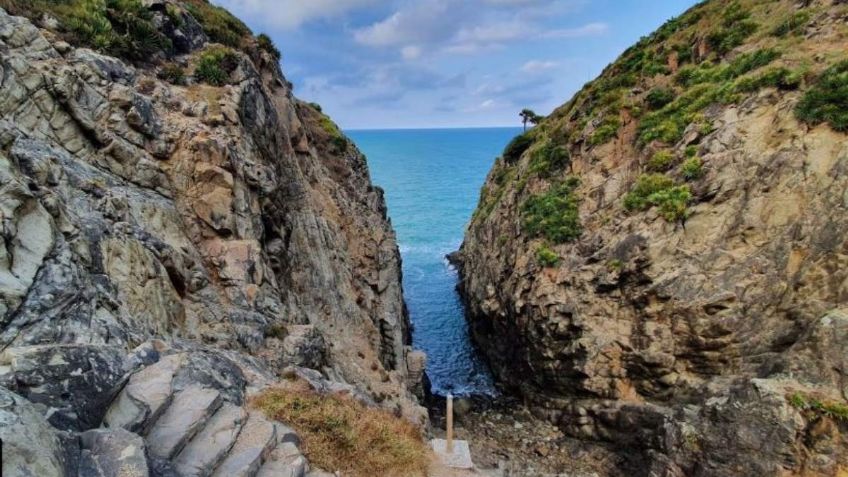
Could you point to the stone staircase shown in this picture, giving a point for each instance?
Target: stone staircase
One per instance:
(185, 415)
(196, 431)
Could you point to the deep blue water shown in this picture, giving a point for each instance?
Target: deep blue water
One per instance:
(432, 179)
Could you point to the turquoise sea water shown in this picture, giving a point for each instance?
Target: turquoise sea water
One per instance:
(432, 179)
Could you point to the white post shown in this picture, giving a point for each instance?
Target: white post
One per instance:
(449, 441)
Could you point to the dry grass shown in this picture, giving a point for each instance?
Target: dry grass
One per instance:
(341, 434)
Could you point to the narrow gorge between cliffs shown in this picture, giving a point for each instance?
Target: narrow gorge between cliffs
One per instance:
(432, 179)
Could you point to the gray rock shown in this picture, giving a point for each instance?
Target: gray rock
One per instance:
(210, 446)
(31, 446)
(75, 382)
(112, 453)
(187, 413)
(256, 440)
(284, 461)
(145, 397)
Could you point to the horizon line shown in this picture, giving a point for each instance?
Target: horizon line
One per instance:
(426, 128)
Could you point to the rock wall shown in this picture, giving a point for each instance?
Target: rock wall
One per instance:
(681, 341)
(225, 226)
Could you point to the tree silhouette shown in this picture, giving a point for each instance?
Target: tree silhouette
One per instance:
(528, 116)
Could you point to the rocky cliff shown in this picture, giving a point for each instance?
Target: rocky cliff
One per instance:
(179, 231)
(661, 263)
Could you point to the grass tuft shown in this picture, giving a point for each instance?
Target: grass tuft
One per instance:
(341, 434)
(219, 24)
(215, 65)
(833, 410)
(827, 100)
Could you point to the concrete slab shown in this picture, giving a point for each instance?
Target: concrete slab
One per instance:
(460, 458)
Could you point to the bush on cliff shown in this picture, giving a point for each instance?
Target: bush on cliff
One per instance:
(659, 97)
(660, 191)
(513, 151)
(219, 24)
(546, 257)
(266, 43)
(827, 100)
(122, 28)
(341, 434)
(549, 157)
(215, 65)
(554, 215)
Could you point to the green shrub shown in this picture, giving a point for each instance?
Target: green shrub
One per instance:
(316, 107)
(122, 28)
(691, 151)
(749, 62)
(513, 151)
(735, 28)
(548, 158)
(691, 75)
(661, 161)
(660, 191)
(219, 24)
(606, 130)
(215, 65)
(646, 185)
(693, 168)
(726, 39)
(659, 97)
(782, 78)
(827, 100)
(266, 43)
(672, 202)
(172, 73)
(546, 257)
(793, 25)
(554, 214)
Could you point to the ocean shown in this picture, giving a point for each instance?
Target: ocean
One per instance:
(432, 179)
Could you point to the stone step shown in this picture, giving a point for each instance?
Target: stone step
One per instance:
(284, 461)
(144, 397)
(210, 446)
(112, 452)
(189, 411)
(255, 441)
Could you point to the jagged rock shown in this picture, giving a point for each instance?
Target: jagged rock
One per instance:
(648, 322)
(149, 253)
(75, 382)
(31, 447)
(112, 453)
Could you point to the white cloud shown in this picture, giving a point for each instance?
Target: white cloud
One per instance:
(290, 14)
(463, 27)
(591, 29)
(410, 52)
(537, 66)
(425, 22)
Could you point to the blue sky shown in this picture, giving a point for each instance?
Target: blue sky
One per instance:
(447, 63)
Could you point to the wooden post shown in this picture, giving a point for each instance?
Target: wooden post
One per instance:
(449, 440)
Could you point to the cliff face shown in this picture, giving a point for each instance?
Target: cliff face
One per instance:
(661, 262)
(169, 246)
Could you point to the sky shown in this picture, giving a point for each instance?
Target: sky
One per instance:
(375, 64)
